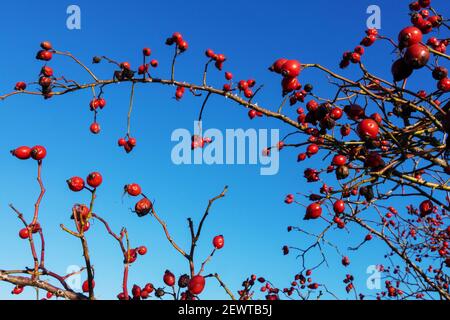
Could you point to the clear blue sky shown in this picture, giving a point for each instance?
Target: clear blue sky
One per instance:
(252, 217)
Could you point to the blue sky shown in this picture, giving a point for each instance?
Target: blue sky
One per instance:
(252, 217)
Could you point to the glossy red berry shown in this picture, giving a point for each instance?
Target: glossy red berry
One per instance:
(339, 160)
(24, 233)
(339, 206)
(38, 152)
(154, 63)
(142, 250)
(17, 290)
(169, 278)
(22, 153)
(417, 56)
(133, 189)
(94, 128)
(291, 68)
(122, 142)
(20, 86)
(276, 66)
(440, 73)
(368, 128)
(444, 84)
(94, 179)
(409, 36)
(426, 207)
(218, 242)
(146, 52)
(313, 211)
(143, 207)
(196, 284)
(46, 45)
(75, 184)
(312, 149)
(228, 75)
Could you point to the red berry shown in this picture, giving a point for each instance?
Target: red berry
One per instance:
(142, 250)
(183, 45)
(94, 179)
(125, 65)
(22, 153)
(24, 233)
(146, 52)
(44, 55)
(47, 71)
(339, 207)
(101, 103)
(177, 37)
(290, 84)
(312, 149)
(94, 128)
(196, 284)
(336, 113)
(444, 84)
(368, 128)
(20, 86)
(133, 189)
(426, 207)
(46, 45)
(251, 114)
(291, 68)
(276, 66)
(313, 211)
(409, 36)
(17, 290)
(38, 152)
(209, 53)
(417, 56)
(218, 242)
(339, 160)
(228, 75)
(154, 63)
(142, 207)
(85, 286)
(75, 184)
(169, 278)
(132, 142)
(121, 142)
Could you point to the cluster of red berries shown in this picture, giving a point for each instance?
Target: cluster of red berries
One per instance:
(301, 282)
(94, 105)
(131, 255)
(439, 45)
(290, 70)
(24, 233)
(144, 205)
(441, 74)
(199, 141)
(24, 153)
(127, 143)
(218, 58)
(353, 57)
(194, 285)
(178, 40)
(138, 292)
(246, 86)
(421, 17)
(46, 75)
(76, 184)
(144, 68)
(415, 56)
